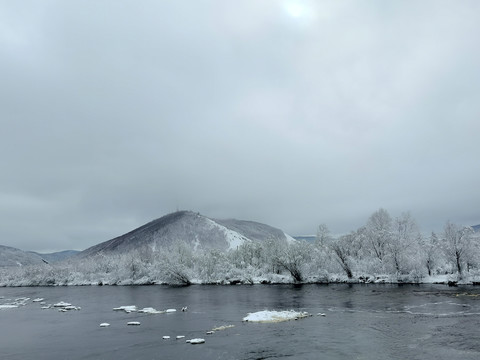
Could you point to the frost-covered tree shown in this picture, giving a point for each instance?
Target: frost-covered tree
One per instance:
(402, 243)
(457, 242)
(379, 232)
(294, 258)
(174, 265)
(324, 236)
(431, 254)
(342, 250)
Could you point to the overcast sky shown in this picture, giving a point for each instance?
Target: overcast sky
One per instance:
(290, 113)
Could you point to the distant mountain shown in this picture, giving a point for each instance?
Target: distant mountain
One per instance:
(307, 238)
(198, 231)
(13, 257)
(56, 256)
(476, 228)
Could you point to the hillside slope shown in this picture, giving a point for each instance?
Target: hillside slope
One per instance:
(197, 231)
(13, 257)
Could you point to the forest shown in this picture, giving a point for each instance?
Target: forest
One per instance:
(384, 250)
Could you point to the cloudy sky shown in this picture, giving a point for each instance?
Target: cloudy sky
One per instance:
(291, 113)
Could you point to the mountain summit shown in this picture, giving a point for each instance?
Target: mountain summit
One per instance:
(197, 231)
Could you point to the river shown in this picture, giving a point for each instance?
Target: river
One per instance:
(361, 322)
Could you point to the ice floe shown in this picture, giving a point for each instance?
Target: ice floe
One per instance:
(180, 337)
(146, 310)
(223, 327)
(196, 341)
(104, 325)
(127, 308)
(150, 310)
(8, 306)
(166, 337)
(133, 323)
(62, 304)
(267, 316)
(38, 300)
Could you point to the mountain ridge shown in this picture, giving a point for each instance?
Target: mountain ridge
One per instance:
(198, 231)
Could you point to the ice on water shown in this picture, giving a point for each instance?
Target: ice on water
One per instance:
(267, 316)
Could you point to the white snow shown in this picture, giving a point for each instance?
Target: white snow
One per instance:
(104, 325)
(290, 239)
(8, 306)
(150, 310)
(233, 238)
(62, 304)
(223, 327)
(274, 316)
(196, 341)
(126, 308)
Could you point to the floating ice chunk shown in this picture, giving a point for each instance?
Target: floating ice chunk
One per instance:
(127, 308)
(321, 314)
(180, 337)
(8, 306)
(170, 310)
(133, 323)
(38, 300)
(196, 341)
(267, 316)
(224, 327)
(210, 332)
(61, 304)
(104, 325)
(166, 337)
(21, 301)
(150, 310)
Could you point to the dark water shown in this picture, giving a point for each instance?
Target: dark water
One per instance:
(361, 322)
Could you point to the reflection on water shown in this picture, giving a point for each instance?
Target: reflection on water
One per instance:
(361, 322)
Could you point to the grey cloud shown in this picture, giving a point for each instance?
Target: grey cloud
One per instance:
(113, 114)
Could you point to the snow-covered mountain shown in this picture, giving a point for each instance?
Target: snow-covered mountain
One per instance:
(13, 257)
(197, 231)
(56, 256)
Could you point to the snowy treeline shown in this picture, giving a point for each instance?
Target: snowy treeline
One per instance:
(384, 249)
